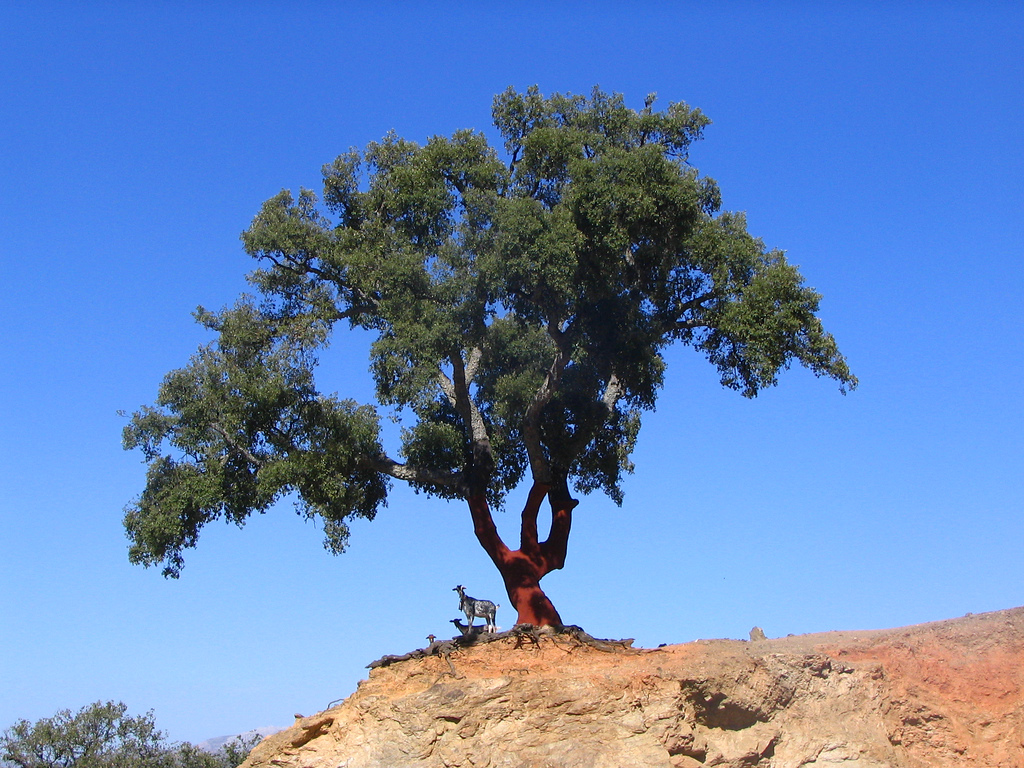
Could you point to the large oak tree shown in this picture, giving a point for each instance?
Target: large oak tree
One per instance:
(520, 300)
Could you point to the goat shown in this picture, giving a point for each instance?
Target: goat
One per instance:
(472, 607)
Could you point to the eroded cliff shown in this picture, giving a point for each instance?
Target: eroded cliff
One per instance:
(943, 694)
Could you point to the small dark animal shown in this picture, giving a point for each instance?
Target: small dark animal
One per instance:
(464, 628)
(472, 607)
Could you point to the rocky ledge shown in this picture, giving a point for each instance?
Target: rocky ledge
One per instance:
(949, 693)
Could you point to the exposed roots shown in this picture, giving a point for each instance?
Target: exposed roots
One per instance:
(519, 634)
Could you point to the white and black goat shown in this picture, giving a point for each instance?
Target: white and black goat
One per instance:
(472, 607)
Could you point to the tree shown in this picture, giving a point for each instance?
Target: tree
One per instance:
(231, 755)
(104, 735)
(520, 303)
(97, 736)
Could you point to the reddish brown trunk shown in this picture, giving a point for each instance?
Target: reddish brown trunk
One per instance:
(522, 569)
(522, 583)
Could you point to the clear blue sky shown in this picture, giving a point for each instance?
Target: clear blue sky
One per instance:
(879, 144)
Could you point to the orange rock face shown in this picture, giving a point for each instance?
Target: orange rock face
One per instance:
(934, 695)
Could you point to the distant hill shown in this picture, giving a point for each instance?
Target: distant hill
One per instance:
(944, 695)
(215, 744)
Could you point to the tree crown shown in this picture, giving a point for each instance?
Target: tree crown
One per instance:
(520, 304)
(104, 735)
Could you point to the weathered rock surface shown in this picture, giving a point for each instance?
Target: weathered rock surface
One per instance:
(944, 694)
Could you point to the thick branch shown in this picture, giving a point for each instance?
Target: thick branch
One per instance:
(514, 161)
(612, 392)
(539, 466)
(528, 541)
(237, 447)
(473, 363)
(448, 387)
(456, 390)
(295, 266)
(360, 303)
(697, 302)
(412, 474)
(554, 549)
(355, 310)
(486, 532)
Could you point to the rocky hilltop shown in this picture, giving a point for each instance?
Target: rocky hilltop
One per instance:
(949, 693)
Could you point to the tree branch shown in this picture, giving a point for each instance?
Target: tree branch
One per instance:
(539, 465)
(233, 444)
(514, 161)
(448, 388)
(528, 541)
(554, 549)
(694, 303)
(612, 392)
(360, 302)
(456, 390)
(485, 530)
(579, 441)
(387, 466)
(689, 325)
(295, 266)
(473, 363)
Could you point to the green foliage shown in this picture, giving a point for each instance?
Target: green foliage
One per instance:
(103, 735)
(520, 304)
(249, 427)
(230, 755)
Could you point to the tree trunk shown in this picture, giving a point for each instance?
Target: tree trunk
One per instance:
(522, 583)
(522, 569)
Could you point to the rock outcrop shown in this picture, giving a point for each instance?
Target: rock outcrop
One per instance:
(944, 694)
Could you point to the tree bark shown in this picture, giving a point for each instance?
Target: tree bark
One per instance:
(522, 569)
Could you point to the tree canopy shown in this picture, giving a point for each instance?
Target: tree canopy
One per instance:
(104, 735)
(520, 299)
